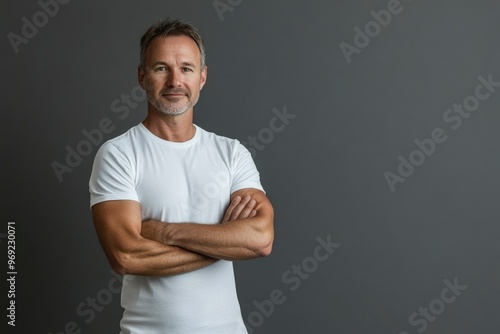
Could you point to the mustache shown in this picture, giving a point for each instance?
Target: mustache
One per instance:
(174, 91)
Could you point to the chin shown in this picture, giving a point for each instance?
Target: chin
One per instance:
(173, 112)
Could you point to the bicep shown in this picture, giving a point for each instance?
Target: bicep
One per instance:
(262, 224)
(118, 226)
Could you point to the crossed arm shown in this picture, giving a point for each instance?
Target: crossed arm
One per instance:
(161, 248)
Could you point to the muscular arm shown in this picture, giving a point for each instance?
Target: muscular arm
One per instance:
(232, 239)
(118, 226)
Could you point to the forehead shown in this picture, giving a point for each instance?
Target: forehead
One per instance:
(173, 48)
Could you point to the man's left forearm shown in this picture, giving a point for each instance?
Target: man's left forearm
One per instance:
(237, 240)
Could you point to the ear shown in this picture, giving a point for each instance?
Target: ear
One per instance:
(203, 79)
(140, 76)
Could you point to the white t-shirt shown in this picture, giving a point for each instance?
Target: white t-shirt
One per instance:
(176, 182)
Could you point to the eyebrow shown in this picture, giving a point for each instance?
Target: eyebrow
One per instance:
(184, 63)
(188, 64)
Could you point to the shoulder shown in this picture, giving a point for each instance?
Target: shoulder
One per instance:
(117, 157)
(134, 133)
(124, 142)
(212, 138)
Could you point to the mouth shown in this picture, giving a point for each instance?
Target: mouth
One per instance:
(174, 93)
(173, 96)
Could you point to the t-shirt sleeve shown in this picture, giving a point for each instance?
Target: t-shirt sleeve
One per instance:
(245, 173)
(112, 176)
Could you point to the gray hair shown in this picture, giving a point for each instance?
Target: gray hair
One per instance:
(171, 27)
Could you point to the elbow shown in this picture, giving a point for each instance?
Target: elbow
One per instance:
(125, 259)
(119, 270)
(265, 246)
(265, 251)
(122, 264)
(266, 239)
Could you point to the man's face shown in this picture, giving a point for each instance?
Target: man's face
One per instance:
(172, 77)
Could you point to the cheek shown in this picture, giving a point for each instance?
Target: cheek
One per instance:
(152, 84)
(195, 85)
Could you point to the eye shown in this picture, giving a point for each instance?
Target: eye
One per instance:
(187, 69)
(160, 69)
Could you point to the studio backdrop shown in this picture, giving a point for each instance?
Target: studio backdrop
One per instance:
(374, 126)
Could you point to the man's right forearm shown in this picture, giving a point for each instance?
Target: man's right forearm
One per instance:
(118, 226)
(151, 258)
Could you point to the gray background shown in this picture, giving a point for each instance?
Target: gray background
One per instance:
(324, 172)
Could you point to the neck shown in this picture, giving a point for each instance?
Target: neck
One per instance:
(178, 128)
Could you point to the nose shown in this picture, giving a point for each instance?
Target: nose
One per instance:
(174, 79)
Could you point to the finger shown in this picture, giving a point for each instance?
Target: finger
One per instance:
(229, 210)
(245, 213)
(241, 205)
(253, 213)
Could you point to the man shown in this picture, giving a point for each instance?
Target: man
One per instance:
(173, 205)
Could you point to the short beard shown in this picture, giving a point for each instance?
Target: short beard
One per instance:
(169, 110)
(166, 110)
